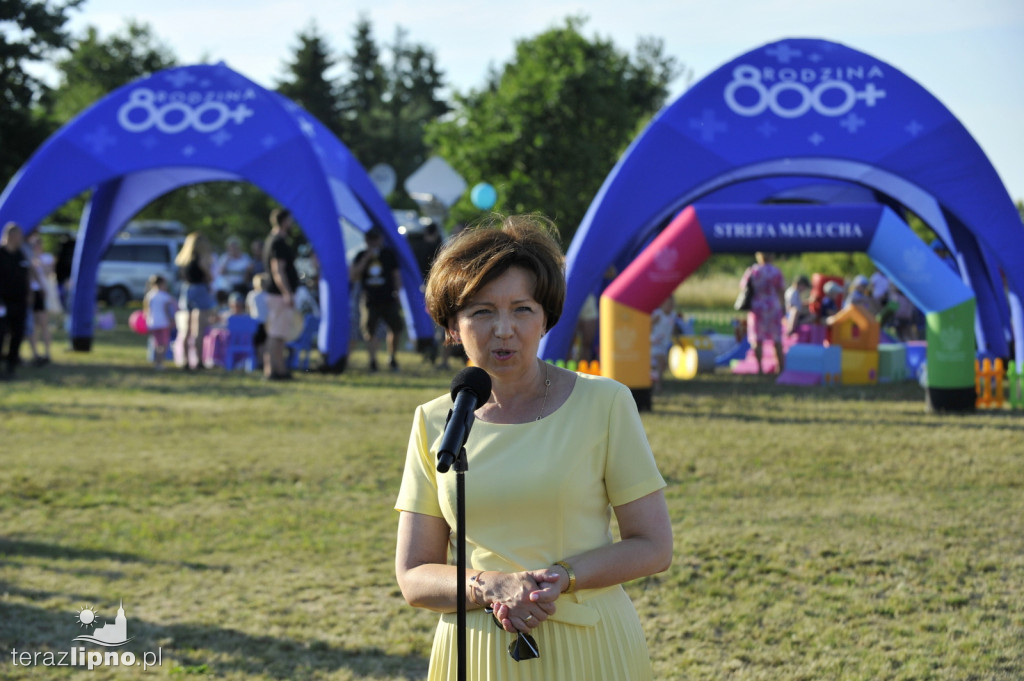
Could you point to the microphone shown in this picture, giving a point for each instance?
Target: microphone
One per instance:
(471, 388)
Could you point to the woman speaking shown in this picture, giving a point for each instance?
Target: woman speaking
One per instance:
(552, 455)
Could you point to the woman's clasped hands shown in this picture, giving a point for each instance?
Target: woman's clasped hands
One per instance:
(520, 601)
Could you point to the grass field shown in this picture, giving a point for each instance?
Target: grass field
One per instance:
(826, 533)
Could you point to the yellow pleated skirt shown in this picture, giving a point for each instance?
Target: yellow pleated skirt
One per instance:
(594, 636)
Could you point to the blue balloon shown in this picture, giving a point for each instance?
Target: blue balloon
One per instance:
(483, 196)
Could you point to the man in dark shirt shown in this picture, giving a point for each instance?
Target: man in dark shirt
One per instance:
(282, 281)
(14, 296)
(377, 270)
(63, 266)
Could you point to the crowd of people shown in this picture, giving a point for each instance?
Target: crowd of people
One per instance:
(28, 296)
(776, 312)
(266, 284)
(275, 291)
(878, 297)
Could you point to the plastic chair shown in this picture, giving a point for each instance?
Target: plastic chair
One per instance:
(215, 343)
(301, 348)
(241, 329)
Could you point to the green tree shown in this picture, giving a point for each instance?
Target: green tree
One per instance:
(217, 209)
(386, 105)
(547, 128)
(96, 67)
(411, 102)
(307, 82)
(30, 33)
(362, 96)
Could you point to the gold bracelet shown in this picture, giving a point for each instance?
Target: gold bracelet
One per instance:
(572, 576)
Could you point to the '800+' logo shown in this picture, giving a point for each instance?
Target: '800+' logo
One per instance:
(829, 97)
(145, 109)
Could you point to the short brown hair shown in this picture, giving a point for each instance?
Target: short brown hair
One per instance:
(481, 254)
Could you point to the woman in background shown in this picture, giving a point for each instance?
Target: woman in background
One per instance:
(42, 274)
(234, 267)
(195, 260)
(764, 321)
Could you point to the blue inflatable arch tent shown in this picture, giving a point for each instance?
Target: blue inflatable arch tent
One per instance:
(799, 111)
(703, 229)
(197, 124)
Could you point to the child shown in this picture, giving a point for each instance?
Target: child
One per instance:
(664, 321)
(797, 312)
(830, 303)
(256, 303)
(159, 307)
(236, 305)
(216, 341)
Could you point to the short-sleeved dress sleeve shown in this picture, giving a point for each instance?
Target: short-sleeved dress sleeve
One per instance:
(418, 493)
(631, 472)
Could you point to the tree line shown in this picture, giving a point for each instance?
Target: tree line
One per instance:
(544, 128)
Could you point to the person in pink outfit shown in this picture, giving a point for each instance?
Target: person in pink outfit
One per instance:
(764, 320)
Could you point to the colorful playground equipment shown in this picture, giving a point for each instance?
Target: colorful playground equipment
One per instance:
(997, 385)
(809, 364)
(892, 362)
(1015, 385)
(847, 359)
(851, 356)
(582, 366)
(692, 355)
(988, 382)
(856, 333)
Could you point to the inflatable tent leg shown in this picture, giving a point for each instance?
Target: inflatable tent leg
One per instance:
(950, 356)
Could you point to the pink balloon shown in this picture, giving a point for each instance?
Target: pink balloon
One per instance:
(137, 322)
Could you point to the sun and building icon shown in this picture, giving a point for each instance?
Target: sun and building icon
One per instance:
(110, 634)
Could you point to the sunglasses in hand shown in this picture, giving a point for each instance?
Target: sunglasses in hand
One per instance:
(523, 648)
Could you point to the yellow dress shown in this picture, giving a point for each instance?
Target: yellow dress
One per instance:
(536, 493)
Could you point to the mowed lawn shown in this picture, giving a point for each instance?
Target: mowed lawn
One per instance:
(821, 533)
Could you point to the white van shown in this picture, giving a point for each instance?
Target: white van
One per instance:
(128, 263)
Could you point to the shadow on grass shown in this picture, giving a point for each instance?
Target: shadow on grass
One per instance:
(203, 649)
(106, 373)
(10, 548)
(725, 387)
(190, 648)
(104, 376)
(725, 384)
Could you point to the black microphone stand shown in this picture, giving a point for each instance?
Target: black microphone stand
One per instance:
(470, 388)
(461, 464)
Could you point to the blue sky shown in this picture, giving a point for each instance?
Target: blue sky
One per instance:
(969, 54)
